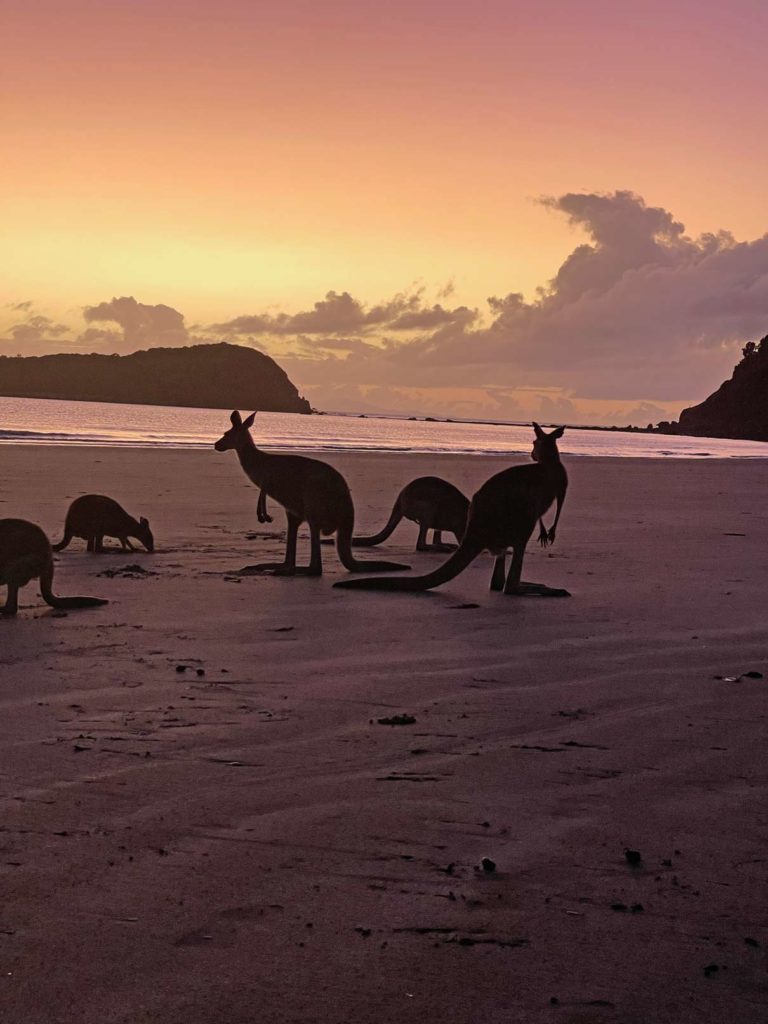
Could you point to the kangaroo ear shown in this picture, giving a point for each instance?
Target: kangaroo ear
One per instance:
(537, 429)
(558, 432)
(249, 422)
(143, 521)
(235, 419)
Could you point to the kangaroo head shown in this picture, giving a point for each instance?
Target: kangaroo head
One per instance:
(237, 434)
(144, 534)
(545, 445)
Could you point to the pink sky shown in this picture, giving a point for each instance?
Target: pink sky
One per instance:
(239, 158)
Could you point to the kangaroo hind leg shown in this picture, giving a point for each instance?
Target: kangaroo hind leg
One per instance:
(499, 570)
(288, 566)
(438, 544)
(315, 567)
(515, 587)
(421, 540)
(11, 605)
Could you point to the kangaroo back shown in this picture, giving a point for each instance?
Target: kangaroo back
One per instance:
(466, 553)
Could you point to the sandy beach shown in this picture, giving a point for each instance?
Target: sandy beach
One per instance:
(243, 841)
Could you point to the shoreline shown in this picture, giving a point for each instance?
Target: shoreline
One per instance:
(100, 425)
(401, 452)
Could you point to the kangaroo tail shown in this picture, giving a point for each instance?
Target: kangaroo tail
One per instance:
(64, 542)
(378, 538)
(46, 582)
(467, 552)
(348, 560)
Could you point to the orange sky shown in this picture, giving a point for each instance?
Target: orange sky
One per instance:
(239, 157)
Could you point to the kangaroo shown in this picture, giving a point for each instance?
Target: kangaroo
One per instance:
(311, 491)
(502, 514)
(94, 516)
(25, 555)
(435, 505)
(429, 501)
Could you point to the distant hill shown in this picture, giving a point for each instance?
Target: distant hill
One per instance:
(739, 407)
(219, 376)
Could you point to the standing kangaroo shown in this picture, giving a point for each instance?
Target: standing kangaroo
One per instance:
(502, 514)
(310, 491)
(25, 555)
(435, 505)
(94, 517)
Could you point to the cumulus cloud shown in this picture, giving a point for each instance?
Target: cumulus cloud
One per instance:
(341, 313)
(128, 325)
(37, 329)
(641, 311)
(142, 325)
(35, 335)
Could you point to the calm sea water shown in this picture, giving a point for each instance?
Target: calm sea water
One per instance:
(36, 421)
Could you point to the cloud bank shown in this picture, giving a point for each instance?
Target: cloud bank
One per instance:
(639, 311)
(638, 315)
(142, 326)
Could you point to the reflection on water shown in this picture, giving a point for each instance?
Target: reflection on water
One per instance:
(37, 421)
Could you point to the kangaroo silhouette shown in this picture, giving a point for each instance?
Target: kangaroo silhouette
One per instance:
(310, 491)
(94, 517)
(430, 501)
(434, 504)
(502, 514)
(26, 554)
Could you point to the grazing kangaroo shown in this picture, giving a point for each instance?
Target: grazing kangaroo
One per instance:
(502, 514)
(25, 555)
(310, 491)
(435, 505)
(94, 517)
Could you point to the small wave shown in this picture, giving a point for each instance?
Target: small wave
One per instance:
(20, 435)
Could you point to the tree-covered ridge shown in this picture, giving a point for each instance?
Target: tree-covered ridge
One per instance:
(739, 407)
(221, 376)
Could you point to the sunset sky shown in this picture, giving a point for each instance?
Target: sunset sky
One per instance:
(346, 185)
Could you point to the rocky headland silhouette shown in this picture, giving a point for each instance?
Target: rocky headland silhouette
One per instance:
(739, 407)
(213, 376)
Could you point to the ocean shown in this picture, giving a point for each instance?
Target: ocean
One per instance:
(42, 421)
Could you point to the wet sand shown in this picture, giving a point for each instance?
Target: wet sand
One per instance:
(243, 841)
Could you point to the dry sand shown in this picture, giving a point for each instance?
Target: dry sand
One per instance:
(249, 844)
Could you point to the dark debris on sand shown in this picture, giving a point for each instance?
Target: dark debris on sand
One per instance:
(128, 572)
(397, 720)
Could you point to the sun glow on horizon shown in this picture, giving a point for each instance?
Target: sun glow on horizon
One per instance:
(244, 159)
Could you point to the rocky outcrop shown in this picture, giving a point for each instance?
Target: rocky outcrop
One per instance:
(739, 407)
